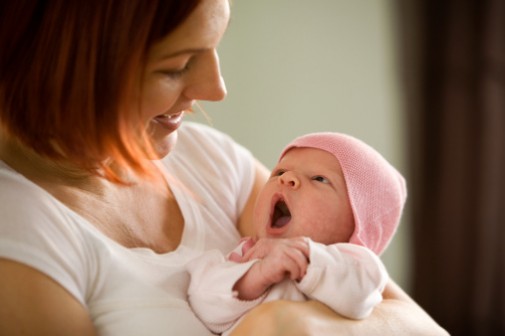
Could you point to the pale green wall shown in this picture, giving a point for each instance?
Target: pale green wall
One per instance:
(297, 66)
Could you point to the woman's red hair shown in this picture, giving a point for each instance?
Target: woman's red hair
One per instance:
(69, 70)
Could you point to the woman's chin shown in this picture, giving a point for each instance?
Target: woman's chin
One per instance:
(163, 147)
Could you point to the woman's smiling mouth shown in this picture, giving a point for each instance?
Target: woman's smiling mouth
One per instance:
(169, 121)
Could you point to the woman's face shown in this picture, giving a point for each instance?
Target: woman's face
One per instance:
(183, 68)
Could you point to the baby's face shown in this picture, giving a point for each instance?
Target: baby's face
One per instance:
(306, 195)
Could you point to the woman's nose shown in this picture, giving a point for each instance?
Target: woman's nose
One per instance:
(207, 82)
(290, 179)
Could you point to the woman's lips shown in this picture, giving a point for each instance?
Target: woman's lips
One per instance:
(169, 121)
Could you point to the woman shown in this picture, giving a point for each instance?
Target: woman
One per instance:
(104, 195)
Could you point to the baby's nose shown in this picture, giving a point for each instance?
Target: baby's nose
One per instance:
(290, 179)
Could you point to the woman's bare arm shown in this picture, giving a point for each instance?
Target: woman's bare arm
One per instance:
(33, 304)
(245, 223)
(398, 314)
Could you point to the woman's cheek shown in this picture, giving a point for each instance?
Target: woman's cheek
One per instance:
(159, 96)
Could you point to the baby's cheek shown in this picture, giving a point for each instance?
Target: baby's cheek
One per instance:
(322, 229)
(261, 217)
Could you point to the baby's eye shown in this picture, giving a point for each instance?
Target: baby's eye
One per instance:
(321, 179)
(278, 172)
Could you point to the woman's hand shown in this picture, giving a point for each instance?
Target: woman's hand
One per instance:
(397, 314)
(289, 318)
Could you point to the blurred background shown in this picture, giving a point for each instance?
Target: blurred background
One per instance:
(423, 82)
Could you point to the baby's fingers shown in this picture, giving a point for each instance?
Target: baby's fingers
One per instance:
(298, 264)
(249, 242)
(260, 249)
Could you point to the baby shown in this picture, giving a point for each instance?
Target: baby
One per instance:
(330, 207)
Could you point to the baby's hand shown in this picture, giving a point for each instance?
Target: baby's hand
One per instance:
(279, 259)
(261, 247)
(246, 244)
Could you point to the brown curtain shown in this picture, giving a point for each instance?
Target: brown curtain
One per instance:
(454, 75)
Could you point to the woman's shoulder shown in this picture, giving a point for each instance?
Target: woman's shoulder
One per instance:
(32, 218)
(27, 210)
(17, 192)
(37, 231)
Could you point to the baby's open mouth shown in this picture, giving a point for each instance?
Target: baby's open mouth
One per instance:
(281, 215)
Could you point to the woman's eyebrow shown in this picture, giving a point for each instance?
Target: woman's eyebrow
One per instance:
(183, 52)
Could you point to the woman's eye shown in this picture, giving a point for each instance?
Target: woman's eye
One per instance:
(174, 74)
(321, 179)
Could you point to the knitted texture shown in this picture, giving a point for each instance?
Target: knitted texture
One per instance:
(376, 190)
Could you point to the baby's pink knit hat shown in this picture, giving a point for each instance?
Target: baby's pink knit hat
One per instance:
(377, 191)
